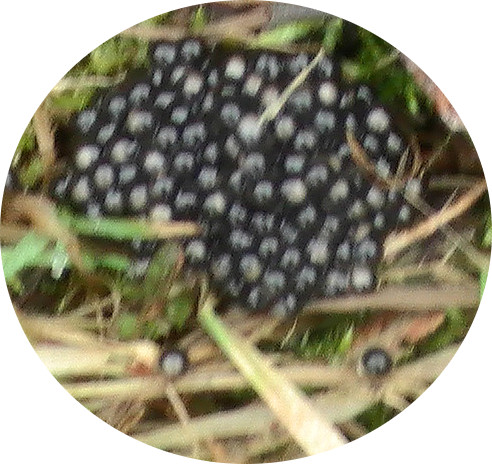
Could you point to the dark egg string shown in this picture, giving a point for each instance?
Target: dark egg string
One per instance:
(286, 213)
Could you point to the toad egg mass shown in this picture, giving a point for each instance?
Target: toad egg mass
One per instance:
(287, 215)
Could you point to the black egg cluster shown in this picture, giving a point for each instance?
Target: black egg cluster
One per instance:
(287, 216)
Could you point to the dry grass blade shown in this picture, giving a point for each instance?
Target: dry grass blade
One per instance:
(103, 359)
(256, 419)
(396, 243)
(414, 377)
(205, 381)
(404, 298)
(45, 138)
(272, 110)
(292, 409)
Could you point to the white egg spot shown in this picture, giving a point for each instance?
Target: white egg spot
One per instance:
(157, 77)
(269, 96)
(375, 197)
(191, 49)
(274, 280)
(343, 251)
(139, 93)
(364, 94)
(86, 119)
(138, 197)
(394, 142)
(105, 133)
(154, 162)
(104, 176)
(371, 143)
(127, 174)
(294, 190)
(195, 251)
(237, 214)
(165, 53)
(305, 140)
(319, 251)
(117, 105)
(207, 178)
(240, 239)
(167, 136)
(305, 278)
(215, 204)
(291, 258)
(268, 247)
(339, 191)
(378, 120)
(164, 99)
(86, 155)
(122, 150)
(252, 85)
(194, 133)
(230, 114)
(173, 364)
(383, 169)
(250, 268)
(254, 164)
(362, 278)
(284, 128)
(113, 201)
(413, 189)
(379, 221)
(324, 120)
(137, 121)
(298, 63)
(294, 164)
(179, 115)
(81, 191)
(357, 210)
(221, 267)
(327, 93)
(235, 68)
(263, 192)
(365, 250)
(301, 100)
(404, 214)
(249, 129)
(192, 84)
(160, 212)
(336, 281)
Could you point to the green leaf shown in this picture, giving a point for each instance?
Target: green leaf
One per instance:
(286, 33)
(28, 252)
(487, 238)
(111, 261)
(113, 228)
(72, 101)
(483, 281)
(32, 173)
(127, 326)
(179, 309)
(333, 33)
(60, 260)
(160, 268)
(199, 19)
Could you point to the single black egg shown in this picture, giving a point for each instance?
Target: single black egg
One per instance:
(376, 361)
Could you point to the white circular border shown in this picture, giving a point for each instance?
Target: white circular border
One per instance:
(40, 41)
